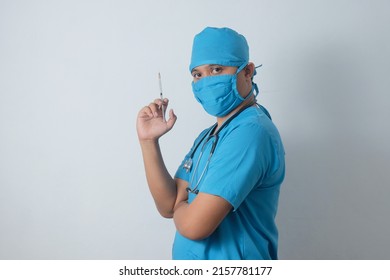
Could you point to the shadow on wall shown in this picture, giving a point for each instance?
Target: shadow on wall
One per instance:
(333, 203)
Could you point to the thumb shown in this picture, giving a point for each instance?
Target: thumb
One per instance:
(172, 119)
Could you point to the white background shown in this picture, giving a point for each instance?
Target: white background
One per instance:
(74, 74)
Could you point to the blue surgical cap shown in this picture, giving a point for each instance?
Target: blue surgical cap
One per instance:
(222, 46)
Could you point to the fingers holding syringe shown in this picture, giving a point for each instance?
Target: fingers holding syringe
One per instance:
(159, 102)
(162, 109)
(162, 105)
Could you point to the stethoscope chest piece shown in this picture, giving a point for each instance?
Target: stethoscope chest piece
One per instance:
(188, 164)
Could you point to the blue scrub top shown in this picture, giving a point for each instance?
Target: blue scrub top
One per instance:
(246, 169)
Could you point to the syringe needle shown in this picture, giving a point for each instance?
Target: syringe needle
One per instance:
(161, 96)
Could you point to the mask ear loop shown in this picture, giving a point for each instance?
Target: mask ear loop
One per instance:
(256, 89)
(235, 80)
(241, 67)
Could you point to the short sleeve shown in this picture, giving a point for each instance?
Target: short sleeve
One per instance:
(242, 159)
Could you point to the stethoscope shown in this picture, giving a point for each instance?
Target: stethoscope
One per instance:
(209, 135)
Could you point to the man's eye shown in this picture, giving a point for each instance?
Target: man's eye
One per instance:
(216, 70)
(196, 75)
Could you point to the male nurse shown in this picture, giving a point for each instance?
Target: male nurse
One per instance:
(224, 196)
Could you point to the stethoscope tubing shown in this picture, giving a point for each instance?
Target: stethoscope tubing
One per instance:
(195, 188)
(207, 136)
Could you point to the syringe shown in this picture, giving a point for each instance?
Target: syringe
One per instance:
(161, 97)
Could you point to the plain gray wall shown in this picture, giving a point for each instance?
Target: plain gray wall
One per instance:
(74, 74)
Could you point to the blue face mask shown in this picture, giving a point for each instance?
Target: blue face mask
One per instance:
(218, 94)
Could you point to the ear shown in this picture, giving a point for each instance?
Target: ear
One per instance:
(249, 70)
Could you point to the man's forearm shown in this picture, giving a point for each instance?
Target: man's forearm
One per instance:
(161, 184)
